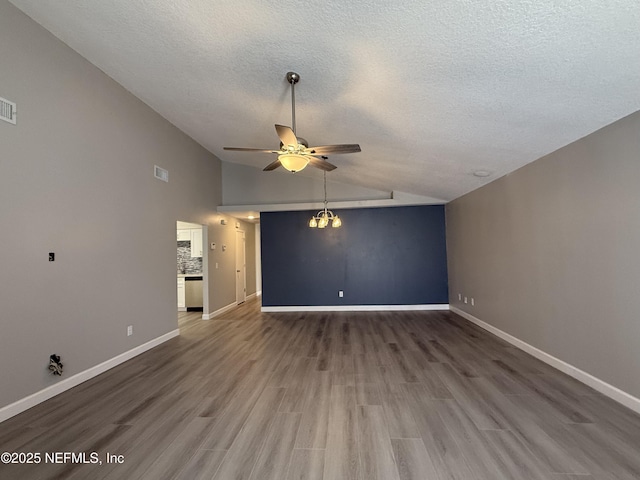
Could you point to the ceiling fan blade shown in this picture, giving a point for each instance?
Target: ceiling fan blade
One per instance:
(334, 149)
(321, 164)
(242, 149)
(271, 166)
(287, 137)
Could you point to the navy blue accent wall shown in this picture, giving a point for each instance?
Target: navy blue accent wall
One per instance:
(380, 256)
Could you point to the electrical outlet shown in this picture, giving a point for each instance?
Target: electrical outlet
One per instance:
(340, 293)
(129, 330)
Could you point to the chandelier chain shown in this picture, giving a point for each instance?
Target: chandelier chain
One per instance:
(325, 190)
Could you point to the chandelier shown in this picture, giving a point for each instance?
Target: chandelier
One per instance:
(324, 217)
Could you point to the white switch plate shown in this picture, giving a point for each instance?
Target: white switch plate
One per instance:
(129, 330)
(472, 301)
(459, 296)
(340, 293)
(465, 300)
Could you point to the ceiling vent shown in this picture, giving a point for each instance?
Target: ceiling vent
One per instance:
(7, 111)
(160, 173)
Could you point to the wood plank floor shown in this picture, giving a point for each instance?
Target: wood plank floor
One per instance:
(330, 396)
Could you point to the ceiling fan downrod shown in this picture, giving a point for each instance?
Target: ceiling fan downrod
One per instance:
(293, 78)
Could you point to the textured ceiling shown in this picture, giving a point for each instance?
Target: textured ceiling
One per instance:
(431, 90)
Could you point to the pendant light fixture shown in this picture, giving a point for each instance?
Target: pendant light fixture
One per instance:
(326, 216)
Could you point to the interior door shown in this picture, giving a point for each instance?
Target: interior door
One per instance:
(241, 268)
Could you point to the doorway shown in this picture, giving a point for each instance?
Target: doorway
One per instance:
(241, 267)
(192, 268)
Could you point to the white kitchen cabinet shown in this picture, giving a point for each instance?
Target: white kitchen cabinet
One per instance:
(184, 235)
(196, 242)
(181, 296)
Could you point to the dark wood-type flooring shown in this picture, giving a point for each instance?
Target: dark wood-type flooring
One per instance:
(333, 396)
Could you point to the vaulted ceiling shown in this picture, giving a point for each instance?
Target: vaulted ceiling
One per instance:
(433, 91)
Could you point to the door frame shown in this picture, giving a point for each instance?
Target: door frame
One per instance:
(241, 267)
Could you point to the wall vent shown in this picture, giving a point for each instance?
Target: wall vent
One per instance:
(160, 173)
(7, 111)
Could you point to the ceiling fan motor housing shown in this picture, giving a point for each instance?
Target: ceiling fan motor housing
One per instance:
(301, 141)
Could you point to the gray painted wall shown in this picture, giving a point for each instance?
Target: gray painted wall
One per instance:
(550, 253)
(76, 178)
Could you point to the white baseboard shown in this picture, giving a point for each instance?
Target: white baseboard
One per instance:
(220, 311)
(182, 309)
(250, 296)
(355, 308)
(258, 293)
(601, 386)
(63, 385)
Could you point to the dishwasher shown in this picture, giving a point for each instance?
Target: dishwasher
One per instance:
(193, 294)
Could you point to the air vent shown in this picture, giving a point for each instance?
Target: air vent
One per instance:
(160, 173)
(7, 111)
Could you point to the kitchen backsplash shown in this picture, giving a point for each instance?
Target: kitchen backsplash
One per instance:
(187, 263)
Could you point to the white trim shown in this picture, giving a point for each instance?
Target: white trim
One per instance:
(220, 311)
(601, 386)
(354, 308)
(398, 199)
(258, 293)
(68, 383)
(258, 256)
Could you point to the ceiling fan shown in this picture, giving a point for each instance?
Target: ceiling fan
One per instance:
(295, 153)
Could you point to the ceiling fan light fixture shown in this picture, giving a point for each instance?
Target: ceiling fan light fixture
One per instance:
(293, 161)
(294, 153)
